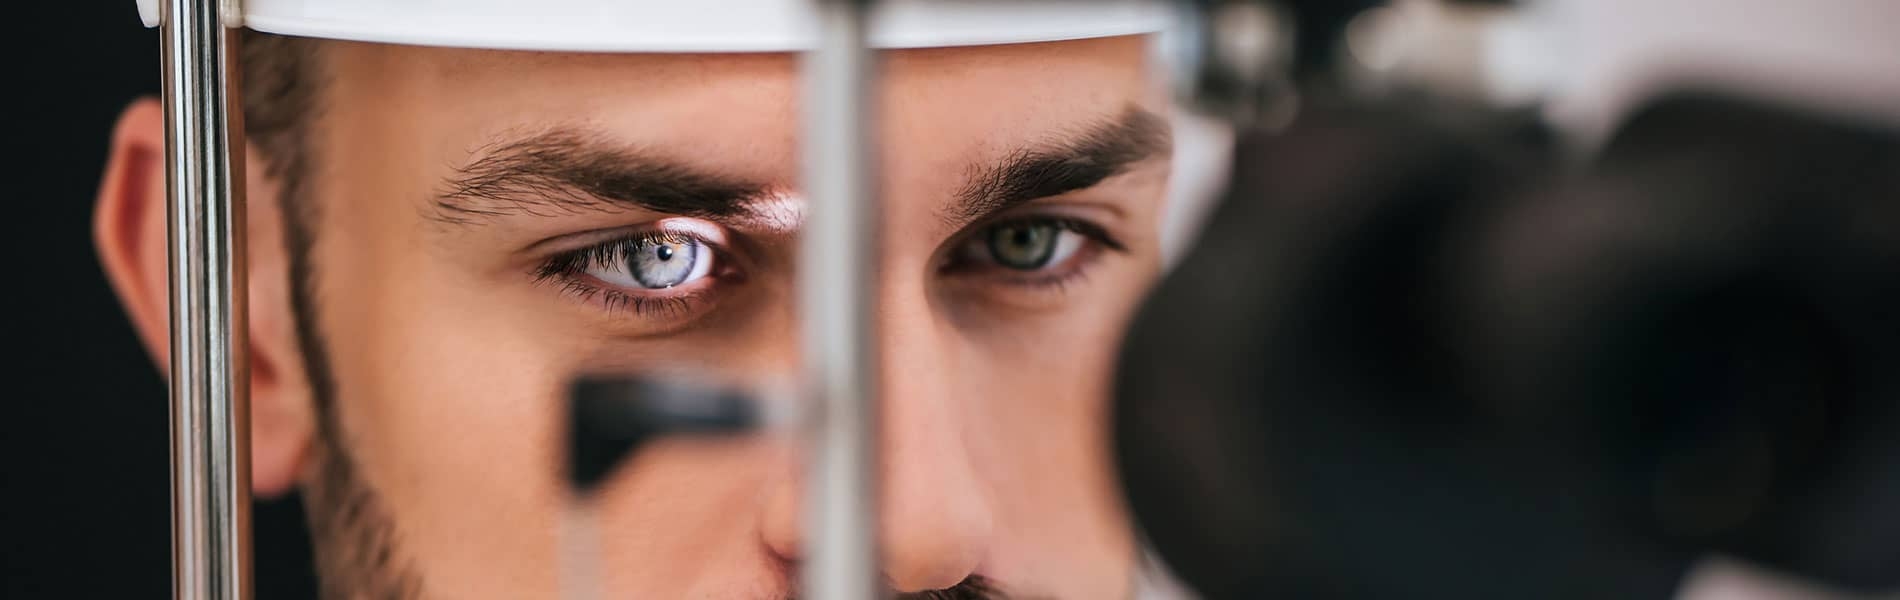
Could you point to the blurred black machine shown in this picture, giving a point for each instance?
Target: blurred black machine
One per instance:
(1569, 299)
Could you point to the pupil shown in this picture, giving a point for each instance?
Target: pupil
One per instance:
(1023, 236)
(664, 252)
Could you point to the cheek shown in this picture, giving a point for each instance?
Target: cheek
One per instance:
(452, 397)
(1047, 410)
(1047, 376)
(1048, 401)
(1042, 418)
(450, 412)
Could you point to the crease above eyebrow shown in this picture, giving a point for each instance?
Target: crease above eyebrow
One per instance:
(1106, 149)
(570, 171)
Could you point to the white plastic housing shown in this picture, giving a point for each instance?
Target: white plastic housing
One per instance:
(686, 25)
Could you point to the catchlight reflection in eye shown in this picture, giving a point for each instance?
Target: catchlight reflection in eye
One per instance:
(657, 262)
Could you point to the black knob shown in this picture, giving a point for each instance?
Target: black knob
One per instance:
(610, 418)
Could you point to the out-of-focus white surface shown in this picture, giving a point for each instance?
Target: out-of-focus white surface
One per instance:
(1203, 157)
(1609, 56)
(1203, 146)
(1725, 579)
(1153, 581)
(1592, 62)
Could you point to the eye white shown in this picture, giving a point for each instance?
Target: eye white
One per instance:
(656, 263)
(1067, 242)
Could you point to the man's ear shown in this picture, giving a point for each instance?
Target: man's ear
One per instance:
(129, 229)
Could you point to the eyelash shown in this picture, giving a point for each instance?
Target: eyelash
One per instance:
(569, 269)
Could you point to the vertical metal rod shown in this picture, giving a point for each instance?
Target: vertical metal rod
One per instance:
(836, 285)
(580, 551)
(210, 421)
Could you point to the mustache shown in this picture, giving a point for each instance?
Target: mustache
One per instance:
(975, 587)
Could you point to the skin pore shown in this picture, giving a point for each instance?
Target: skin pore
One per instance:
(483, 226)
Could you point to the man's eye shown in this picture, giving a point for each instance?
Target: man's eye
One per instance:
(1024, 245)
(655, 274)
(654, 262)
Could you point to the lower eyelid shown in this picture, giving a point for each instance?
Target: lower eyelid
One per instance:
(1077, 265)
(658, 307)
(666, 303)
(1037, 293)
(607, 297)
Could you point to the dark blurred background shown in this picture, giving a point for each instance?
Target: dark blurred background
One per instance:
(87, 471)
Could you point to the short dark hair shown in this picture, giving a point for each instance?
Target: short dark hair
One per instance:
(278, 76)
(280, 80)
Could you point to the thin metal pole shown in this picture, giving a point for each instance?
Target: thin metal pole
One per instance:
(210, 421)
(836, 285)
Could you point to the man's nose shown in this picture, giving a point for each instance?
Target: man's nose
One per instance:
(936, 518)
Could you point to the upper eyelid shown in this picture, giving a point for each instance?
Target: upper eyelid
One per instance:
(1093, 211)
(1084, 226)
(711, 235)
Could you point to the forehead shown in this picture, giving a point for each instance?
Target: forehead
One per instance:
(738, 109)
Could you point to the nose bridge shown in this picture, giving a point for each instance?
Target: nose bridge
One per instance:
(936, 520)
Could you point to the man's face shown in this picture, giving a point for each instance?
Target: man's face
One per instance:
(488, 225)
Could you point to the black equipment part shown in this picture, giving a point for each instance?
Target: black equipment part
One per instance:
(1410, 362)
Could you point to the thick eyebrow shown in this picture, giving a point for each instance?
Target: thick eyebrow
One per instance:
(570, 171)
(1106, 149)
